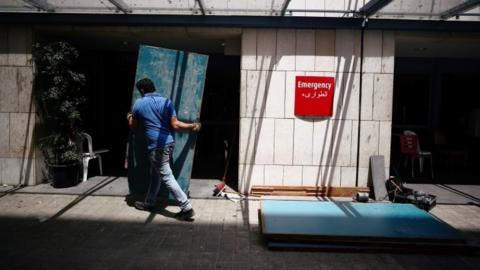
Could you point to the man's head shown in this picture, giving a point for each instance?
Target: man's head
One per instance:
(145, 85)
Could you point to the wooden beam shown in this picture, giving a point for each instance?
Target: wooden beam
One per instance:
(307, 191)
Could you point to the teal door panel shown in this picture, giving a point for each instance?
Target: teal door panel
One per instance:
(179, 76)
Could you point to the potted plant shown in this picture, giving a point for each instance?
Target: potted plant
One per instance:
(58, 92)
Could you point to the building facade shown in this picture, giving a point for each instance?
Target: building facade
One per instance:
(276, 147)
(301, 38)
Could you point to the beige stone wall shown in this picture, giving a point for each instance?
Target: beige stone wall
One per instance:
(278, 148)
(17, 110)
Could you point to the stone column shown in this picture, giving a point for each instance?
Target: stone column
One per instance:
(17, 110)
(377, 100)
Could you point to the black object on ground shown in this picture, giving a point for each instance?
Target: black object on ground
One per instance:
(398, 193)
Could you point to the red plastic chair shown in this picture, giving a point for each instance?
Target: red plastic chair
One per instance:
(410, 149)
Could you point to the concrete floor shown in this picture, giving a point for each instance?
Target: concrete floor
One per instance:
(109, 186)
(61, 229)
(451, 194)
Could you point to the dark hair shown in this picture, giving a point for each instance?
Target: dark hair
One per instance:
(146, 84)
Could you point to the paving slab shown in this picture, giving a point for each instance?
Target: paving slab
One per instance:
(111, 186)
(98, 185)
(86, 231)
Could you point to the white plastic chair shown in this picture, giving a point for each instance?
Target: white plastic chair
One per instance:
(87, 156)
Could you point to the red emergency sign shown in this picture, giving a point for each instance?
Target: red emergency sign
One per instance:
(314, 95)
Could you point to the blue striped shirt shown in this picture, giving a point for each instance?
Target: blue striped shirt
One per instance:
(154, 113)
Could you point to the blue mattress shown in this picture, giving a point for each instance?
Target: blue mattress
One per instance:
(352, 220)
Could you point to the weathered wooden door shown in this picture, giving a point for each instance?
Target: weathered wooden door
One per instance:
(179, 76)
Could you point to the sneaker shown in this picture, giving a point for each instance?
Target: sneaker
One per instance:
(185, 215)
(143, 206)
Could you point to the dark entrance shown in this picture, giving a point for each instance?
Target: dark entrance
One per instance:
(436, 99)
(110, 78)
(216, 152)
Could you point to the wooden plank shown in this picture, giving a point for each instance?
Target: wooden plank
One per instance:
(307, 191)
(359, 240)
(179, 76)
(345, 191)
(442, 248)
(377, 168)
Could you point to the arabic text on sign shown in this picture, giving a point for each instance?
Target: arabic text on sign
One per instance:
(315, 94)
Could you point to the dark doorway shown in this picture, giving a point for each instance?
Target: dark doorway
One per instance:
(110, 79)
(216, 152)
(436, 99)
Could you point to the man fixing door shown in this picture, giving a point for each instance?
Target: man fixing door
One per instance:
(155, 116)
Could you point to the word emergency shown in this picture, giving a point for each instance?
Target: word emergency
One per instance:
(314, 85)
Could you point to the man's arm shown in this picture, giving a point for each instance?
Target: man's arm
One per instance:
(178, 125)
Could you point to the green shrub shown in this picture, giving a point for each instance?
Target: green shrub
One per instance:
(59, 93)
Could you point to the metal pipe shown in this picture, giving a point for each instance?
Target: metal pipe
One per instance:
(407, 14)
(201, 5)
(41, 5)
(454, 11)
(468, 14)
(120, 5)
(284, 7)
(364, 25)
(372, 7)
(321, 10)
(422, 14)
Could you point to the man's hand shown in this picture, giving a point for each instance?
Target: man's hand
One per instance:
(132, 123)
(197, 127)
(178, 125)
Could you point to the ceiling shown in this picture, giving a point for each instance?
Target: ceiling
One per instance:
(438, 45)
(400, 9)
(193, 39)
(227, 40)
